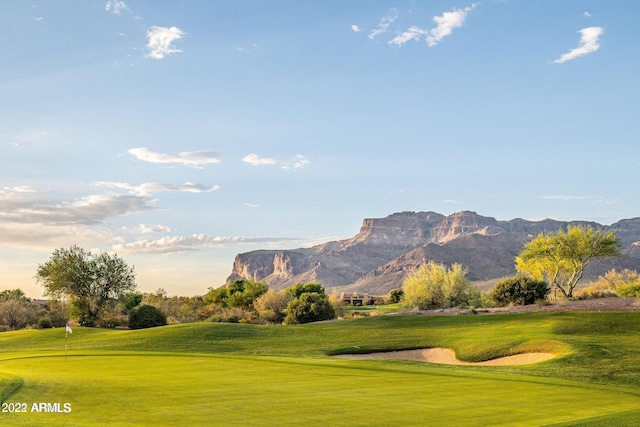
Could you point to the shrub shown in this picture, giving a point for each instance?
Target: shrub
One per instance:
(629, 290)
(146, 316)
(44, 323)
(520, 290)
(435, 285)
(309, 307)
(597, 290)
(271, 306)
(395, 296)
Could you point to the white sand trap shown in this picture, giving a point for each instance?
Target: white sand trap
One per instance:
(448, 357)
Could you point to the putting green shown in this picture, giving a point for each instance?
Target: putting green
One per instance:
(104, 388)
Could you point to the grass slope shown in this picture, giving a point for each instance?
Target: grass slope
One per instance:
(229, 374)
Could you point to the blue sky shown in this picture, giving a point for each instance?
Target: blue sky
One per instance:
(178, 134)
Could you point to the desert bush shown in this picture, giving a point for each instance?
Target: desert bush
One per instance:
(520, 290)
(597, 290)
(629, 290)
(271, 306)
(146, 316)
(309, 307)
(626, 283)
(337, 301)
(395, 296)
(44, 323)
(435, 285)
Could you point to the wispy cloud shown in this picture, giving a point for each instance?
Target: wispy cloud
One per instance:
(173, 244)
(356, 29)
(156, 228)
(116, 6)
(193, 159)
(255, 160)
(89, 210)
(589, 38)
(445, 24)
(298, 162)
(586, 14)
(413, 33)
(20, 189)
(160, 41)
(149, 188)
(383, 25)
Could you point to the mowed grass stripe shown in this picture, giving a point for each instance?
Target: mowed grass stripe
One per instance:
(227, 390)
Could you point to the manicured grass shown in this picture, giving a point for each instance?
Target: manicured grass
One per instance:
(230, 374)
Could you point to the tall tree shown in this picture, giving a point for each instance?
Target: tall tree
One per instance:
(561, 258)
(90, 282)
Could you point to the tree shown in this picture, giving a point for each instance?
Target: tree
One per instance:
(561, 258)
(434, 285)
(90, 282)
(239, 293)
(520, 289)
(272, 305)
(16, 310)
(146, 316)
(303, 288)
(395, 296)
(309, 307)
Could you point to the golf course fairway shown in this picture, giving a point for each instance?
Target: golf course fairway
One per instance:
(231, 374)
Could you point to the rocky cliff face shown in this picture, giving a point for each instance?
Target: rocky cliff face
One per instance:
(378, 258)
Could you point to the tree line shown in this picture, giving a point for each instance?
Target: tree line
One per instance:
(100, 289)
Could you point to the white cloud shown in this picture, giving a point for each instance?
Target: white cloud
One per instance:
(89, 210)
(255, 160)
(446, 23)
(160, 40)
(149, 188)
(356, 29)
(588, 44)
(383, 25)
(173, 244)
(115, 6)
(252, 205)
(299, 162)
(586, 14)
(413, 33)
(193, 159)
(20, 189)
(157, 228)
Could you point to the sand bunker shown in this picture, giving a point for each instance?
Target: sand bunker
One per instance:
(448, 357)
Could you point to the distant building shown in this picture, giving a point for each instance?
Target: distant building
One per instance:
(361, 299)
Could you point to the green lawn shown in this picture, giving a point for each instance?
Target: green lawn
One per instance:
(230, 374)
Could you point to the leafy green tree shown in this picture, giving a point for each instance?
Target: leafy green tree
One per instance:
(434, 285)
(519, 289)
(561, 258)
(395, 296)
(272, 305)
(302, 288)
(90, 282)
(309, 307)
(16, 310)
(146, 316)
(239, 293)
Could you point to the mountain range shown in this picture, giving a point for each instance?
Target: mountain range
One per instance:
(377, 259)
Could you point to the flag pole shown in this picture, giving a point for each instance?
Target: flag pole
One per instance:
(66, 342)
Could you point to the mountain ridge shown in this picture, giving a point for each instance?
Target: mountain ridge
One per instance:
(385, 250)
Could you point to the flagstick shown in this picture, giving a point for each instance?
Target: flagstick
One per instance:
(66, 342)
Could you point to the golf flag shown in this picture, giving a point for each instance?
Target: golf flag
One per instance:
(69, 329)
